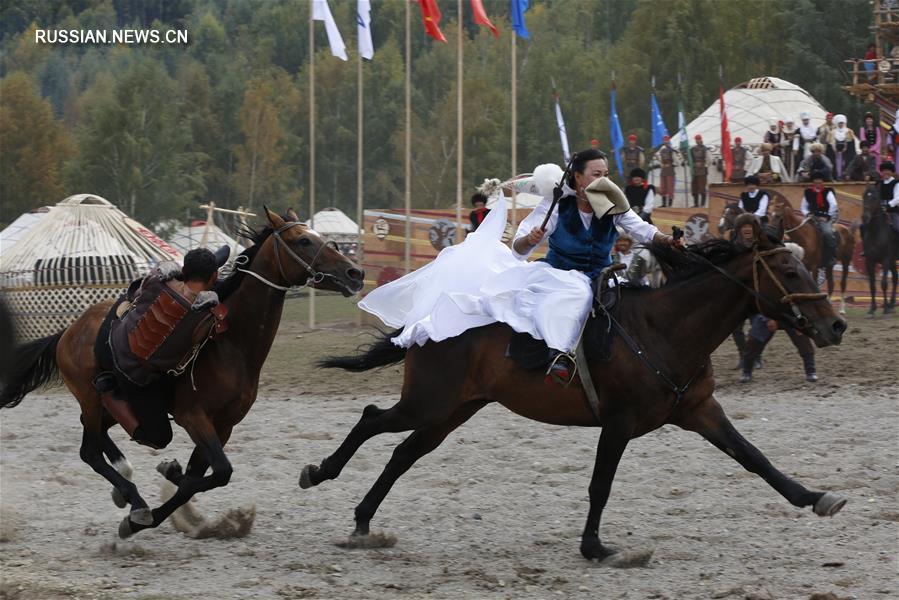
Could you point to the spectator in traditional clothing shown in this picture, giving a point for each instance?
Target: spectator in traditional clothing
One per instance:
(843, 148)
(699, 185)
(789, 142)
(870, 132)
(808, 135)
(640, 195)
(633, 155)
(741, 156)
(477, 216)
(816, 162)
(665, 158)
(871, 62)
(768, 167)
(864, 166)
(825, 136)
(773, 136)
(893, 136)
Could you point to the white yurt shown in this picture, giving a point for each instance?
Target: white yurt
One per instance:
(18, 228)
(750, 106)
(83, 251)
(203, 234)
(333, 225)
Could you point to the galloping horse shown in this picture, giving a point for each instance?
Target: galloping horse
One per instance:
(222, 387)
(880, 246)
(802, 231)
(660, 372)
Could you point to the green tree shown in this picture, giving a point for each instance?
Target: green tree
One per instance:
(33, 148)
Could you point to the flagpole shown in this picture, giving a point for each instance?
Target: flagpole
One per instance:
(311, 147)
(459, 115)
(360, 225)
(514, 126)
(408, 158)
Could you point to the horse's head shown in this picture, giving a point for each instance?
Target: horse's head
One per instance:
(302, 256)
(870, 203)
(787, 292)
(726, 223)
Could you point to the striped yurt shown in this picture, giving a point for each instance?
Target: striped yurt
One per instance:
(83, 251)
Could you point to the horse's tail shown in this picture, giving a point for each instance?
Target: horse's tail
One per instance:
(380, 353)
(34, 365)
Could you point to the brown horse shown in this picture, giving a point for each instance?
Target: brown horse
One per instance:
(222, 385)
(660, 372)
(801, 231)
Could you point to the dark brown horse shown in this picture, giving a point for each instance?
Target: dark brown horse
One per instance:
(660, 373)
(225, 375)
(801, 231)
(881, 247)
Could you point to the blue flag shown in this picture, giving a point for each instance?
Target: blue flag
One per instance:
(517, 11)
(659, 130)
(615, 135)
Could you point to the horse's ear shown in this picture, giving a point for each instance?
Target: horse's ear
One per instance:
(274, 218)
(293, 215)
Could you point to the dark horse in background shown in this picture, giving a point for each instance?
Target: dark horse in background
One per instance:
(677, 327)
(226, 372)
(881, 247)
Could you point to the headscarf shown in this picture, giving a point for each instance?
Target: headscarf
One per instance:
(840, 133)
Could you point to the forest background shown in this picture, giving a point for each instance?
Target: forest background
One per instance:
(159, 129)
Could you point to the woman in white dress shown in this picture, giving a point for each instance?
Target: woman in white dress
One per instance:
(482, 281)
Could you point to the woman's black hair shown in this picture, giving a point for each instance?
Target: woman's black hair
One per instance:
(579, 163)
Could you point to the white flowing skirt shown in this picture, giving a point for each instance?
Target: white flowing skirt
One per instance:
(480, 282)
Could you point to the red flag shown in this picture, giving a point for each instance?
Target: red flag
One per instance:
(726, 151)
(480, 16)
(430, 14)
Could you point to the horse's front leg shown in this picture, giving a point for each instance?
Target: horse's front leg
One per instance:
(616, 433)
(208, 453)
(872, 285)
(708, 420)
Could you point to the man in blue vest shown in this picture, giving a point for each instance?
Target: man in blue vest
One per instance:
(582, 230)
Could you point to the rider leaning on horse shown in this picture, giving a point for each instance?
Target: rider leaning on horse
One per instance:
(582, 230)
(156, 330)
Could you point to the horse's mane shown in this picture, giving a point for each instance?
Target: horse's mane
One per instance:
(227, 286)
(682, 265)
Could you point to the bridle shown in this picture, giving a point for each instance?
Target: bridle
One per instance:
(313, 276)
(800, 321)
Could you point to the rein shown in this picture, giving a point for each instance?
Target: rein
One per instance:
(805, 222)
(312, 275)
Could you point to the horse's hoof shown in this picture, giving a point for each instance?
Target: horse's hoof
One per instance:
(170, 469)
(306, 476)
(118, 498)
(828, 505)
(595, 551)
(125, 530)
(141, 516)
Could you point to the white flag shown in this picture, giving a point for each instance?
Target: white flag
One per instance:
(563, 134)
(322, 12)
(363, 20)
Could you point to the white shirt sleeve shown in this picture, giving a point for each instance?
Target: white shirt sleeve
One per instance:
(650, 199)
(535, 219)
(740, 204)
(832, 209)
(763, 206)
(634, 226)
(803, 208)
(895, 200)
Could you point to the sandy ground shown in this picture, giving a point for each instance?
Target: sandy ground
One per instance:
(497, 511)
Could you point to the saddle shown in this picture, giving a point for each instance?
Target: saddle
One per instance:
(531, 354)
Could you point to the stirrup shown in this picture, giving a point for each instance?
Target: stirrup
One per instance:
(552, 377)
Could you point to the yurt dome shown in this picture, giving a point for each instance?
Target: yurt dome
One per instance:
(750, 107)
(203, 234)
(333, 225)
(16, 230)
(84, 251)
